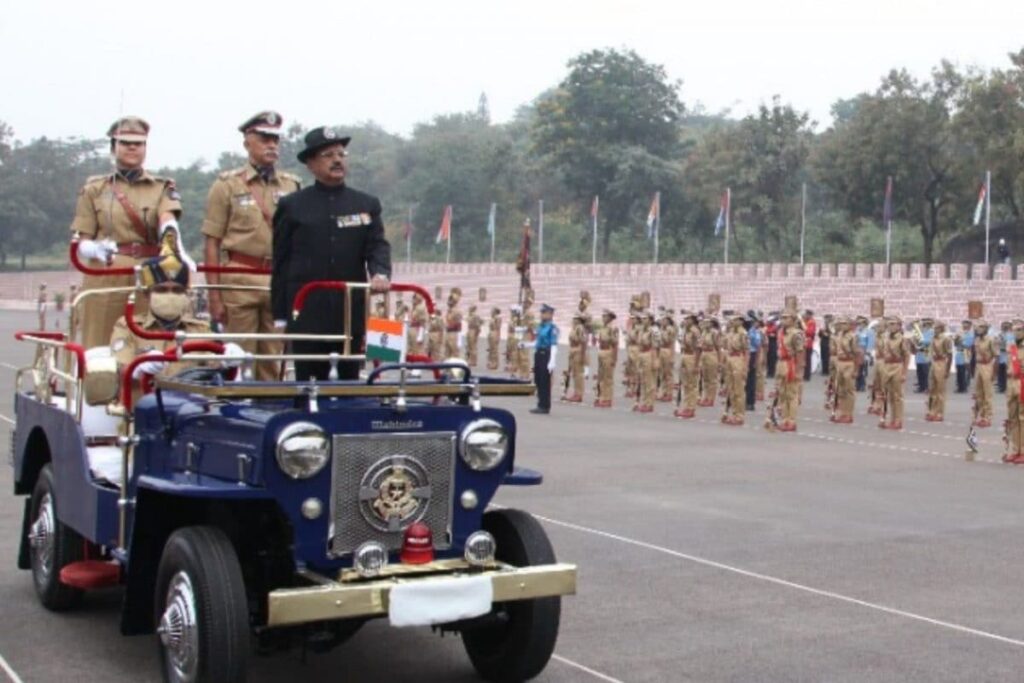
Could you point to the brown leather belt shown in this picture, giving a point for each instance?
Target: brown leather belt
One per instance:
(645, 349)
(940, 357)
(984, 362)
(737, 354)
(138, 249)
(453, 329)
(894, 360)
(250, 261)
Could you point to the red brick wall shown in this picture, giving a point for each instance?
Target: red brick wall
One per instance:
(837, 288)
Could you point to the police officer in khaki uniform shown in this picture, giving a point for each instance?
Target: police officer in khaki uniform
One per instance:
(493, 338)
(667, 355)
(578, 336)
(689, 367)
(166, 278)
(847, 359)
(941, 352)
(986, 350)
(453, 325)
(632, 373)
(435, 337)
(646, 359)
(710, 348)
(894, 357)
(737, 356)
(527, 331)
(117, 217)
(789, 372)
(417, 331)
(607, 357)
(1015, 396)
(239, 233)
(474, 325)
(512, 339)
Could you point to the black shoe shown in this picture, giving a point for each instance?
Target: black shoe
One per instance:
(539, 411)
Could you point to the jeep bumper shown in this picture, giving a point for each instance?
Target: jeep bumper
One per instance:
(330, 600)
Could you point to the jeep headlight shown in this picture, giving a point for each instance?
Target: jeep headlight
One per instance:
(484, 445)
(302, 450)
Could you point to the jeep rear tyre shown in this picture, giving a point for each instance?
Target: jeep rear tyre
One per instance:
(202, 617)
(518, 643)
(53, 545)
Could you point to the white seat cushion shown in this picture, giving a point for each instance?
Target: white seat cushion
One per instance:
(105, 463)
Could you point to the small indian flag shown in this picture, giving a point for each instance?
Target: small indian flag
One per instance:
(385, 340)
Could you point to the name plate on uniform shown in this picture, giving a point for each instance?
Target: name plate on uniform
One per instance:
(245, 200)
(354, 220)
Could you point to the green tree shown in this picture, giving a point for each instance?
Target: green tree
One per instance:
(903, 130)
(611, 128)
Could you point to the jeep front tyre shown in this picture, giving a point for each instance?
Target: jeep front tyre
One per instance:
(53, 545)
(202, 617)
(517, 644)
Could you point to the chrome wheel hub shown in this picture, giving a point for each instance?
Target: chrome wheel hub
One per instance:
(40, 538)
(178, 631)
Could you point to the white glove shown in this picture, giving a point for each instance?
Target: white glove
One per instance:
(553, 361)
(101, 250)
(150, 367)
(280, 324)
(235, 352)
(420, 333)
(461, 343)
(172, 224)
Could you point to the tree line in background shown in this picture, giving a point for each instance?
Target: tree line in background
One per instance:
(616, 127)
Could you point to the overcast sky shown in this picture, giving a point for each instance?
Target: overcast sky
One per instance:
(196, 70)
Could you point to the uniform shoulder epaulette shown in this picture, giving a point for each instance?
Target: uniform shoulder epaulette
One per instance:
(97, 178)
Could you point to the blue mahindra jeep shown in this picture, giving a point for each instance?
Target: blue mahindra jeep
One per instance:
(284, 512)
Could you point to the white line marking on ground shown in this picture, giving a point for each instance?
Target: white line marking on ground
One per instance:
(585, 669)
(11, 673)
(6, 419)
(786, 584)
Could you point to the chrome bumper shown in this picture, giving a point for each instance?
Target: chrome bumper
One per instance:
(331, 600)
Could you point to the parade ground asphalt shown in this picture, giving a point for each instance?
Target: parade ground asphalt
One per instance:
(705, 553)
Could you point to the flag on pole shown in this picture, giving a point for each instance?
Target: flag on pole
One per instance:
(523, 260)
(594, 207)
(490, 219)
(652, 216)
(981, 204)
(385, 340)
(723, 214)
(887, 204)
(444, 233)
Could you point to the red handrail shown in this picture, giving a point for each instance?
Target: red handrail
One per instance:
(300, 296)
(202, 267)
(168, 356)
(71, 347)
(42, 334)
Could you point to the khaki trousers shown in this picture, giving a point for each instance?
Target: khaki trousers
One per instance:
(249, 311)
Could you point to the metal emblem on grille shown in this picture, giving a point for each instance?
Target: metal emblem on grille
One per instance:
(394, 493)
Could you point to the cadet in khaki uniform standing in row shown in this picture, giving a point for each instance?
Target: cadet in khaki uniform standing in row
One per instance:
(493, 338)
(847, 359)
(578, 336)
(646, 359)
(667, 356)
(607, 358)
(941, 353)
(893, 356)
(416, 335)
(1014, 396)
(986, 349)
(689, 366)
(789, 373)
(118, 217)
(238, 228)
(710, 347)
(453, 325)
(474, 325)
(736, 348)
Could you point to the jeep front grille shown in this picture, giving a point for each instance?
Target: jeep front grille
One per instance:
(383, 483)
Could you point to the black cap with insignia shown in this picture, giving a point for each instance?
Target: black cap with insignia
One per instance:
(265, 122)
(321, 137)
